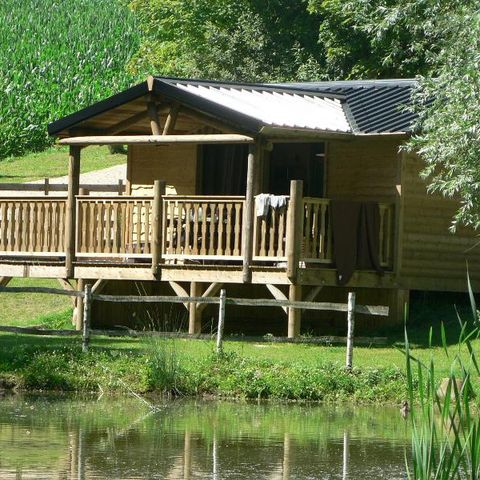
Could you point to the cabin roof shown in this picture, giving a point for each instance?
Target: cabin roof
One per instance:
(342, 107)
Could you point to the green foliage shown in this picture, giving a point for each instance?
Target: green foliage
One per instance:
(249, 40)
(445, 422)
(163, 367)
(382, 38)
(448, 108)
(56, 57)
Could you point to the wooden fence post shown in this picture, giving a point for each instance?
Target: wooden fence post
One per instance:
(221, 320)
(46, 186)
(350, 329)
(294, 228)
(157, 227)
(87, 313)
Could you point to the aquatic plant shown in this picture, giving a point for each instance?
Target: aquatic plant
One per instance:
(445, 420)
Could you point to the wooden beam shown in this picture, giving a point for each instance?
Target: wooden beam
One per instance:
(277, 294)
(154, 119)
(249, 214)
(310, 297)
(4, 281)
(218, 138)
(127, 123)
(70, 220)
(99, 285)
(171, 119)
(181, 292)
(211, 291)
(208, 121)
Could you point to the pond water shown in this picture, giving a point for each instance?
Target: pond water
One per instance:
(120, 438)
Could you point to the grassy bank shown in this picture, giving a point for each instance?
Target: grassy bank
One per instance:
(53, 162)
(190, 367)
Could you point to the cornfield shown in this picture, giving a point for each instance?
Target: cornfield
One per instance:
(57, 56)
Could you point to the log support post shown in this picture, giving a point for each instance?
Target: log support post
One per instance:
(70, 221)
(294, 229)
(194, 314)
(294, 314)
(249, 212)
(154, 119)
(79, 307)
(399, 305)
(157, 226)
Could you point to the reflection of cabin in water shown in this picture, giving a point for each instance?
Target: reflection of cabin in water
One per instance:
(215, 147)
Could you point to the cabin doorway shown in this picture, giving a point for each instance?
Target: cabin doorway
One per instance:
(297, 161)
(223, 169)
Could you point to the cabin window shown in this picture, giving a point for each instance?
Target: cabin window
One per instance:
(223, 169)
(297, 161)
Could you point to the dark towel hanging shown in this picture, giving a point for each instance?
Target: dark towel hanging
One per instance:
(355, 233)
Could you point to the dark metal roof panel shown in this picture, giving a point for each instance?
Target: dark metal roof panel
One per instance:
(375, 106)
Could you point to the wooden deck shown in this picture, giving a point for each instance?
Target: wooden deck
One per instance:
(201, 239)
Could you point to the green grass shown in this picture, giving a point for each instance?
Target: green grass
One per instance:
(249, 369)
(53, 162)
(29, 309)
(190, 367)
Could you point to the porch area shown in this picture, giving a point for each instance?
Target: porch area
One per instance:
(143, 235)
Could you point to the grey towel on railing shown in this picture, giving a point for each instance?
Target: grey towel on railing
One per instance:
(355, 233)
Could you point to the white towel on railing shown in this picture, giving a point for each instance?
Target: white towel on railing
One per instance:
(278, 201)
(264, 201)
(262, 204)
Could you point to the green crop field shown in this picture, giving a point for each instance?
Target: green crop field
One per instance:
(57, 56)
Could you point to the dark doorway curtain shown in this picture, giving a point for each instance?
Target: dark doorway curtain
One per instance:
(224, 169)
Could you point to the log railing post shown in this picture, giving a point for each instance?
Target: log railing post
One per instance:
(294, 228)
(157, 227)
(249, 213)
(70, 220)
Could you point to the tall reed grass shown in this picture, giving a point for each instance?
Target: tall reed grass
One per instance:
(445, 421)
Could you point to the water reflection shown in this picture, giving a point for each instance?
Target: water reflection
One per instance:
(76, 439)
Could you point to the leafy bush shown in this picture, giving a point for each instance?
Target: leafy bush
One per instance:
(57, 56)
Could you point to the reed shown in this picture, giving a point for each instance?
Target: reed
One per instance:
(444, 419)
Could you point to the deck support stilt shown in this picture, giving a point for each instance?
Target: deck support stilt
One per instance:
(399, 303)
(294, 314)
(194, 314)
(78, 310)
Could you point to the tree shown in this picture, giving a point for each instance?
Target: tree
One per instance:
(381, 38)
(448, 106)
(247, 40)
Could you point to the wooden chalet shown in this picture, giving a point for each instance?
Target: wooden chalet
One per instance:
(193, 219)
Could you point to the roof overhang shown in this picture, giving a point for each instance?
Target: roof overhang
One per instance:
(219, 107)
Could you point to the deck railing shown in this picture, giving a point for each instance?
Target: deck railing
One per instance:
(114, 226)
(33, 226)
(317, 247)
(201, 227)
(193, 228)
